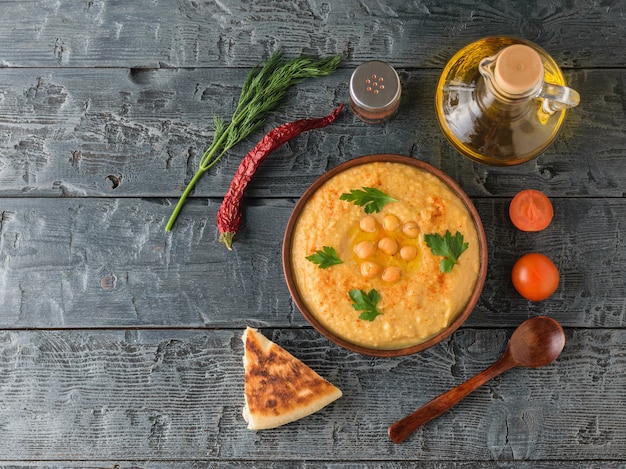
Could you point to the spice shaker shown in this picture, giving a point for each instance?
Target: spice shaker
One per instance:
(374, 92)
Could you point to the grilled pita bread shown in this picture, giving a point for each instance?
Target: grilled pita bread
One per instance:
(279, 388)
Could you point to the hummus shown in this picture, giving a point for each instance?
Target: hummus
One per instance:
(417, 300)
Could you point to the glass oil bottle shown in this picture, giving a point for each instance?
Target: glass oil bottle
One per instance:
(501, 101)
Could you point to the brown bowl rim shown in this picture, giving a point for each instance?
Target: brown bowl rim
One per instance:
(385, 158)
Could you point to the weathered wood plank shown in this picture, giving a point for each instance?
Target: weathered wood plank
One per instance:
(108, 263)
(119, 344)
(170, 395)
(64, 133)
(240, 33)
(297, 464)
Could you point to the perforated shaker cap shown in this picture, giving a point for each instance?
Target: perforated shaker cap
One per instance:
(375, 87)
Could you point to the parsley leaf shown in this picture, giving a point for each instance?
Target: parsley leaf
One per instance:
(325, 258)
(365, 302)
(448, 246)
(373, 199)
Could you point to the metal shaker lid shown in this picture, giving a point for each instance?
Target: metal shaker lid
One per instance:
(375, 86)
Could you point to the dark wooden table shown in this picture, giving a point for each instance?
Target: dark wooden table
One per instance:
(120, 343)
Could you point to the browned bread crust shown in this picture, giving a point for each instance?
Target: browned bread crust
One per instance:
(279, 388)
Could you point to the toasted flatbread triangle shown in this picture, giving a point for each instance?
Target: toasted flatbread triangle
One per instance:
(279, 388)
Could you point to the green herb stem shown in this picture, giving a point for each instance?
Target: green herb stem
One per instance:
(262, 92)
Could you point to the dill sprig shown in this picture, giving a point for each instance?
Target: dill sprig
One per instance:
(262, 92)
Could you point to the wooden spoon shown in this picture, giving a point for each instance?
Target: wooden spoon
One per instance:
(536, 342)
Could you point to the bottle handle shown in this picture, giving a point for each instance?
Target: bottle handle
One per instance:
(517, 71)
(559, 98)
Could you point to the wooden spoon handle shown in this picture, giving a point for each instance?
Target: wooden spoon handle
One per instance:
(401, 429)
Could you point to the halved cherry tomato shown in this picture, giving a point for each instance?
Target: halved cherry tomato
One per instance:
(535, 276)
(531, 210)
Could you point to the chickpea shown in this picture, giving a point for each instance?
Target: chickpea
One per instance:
(364, 249)
(408, 252)
(391, 223)
(411, 229)
(369, 269)
(388, 246)
(392, 274)
(368, 224)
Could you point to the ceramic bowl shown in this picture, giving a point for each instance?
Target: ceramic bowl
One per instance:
(293, 287)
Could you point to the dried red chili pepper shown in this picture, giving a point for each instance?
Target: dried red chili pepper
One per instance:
(229, 213)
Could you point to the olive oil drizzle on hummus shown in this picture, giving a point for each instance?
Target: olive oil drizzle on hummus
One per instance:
(388, 243)
(417, 300)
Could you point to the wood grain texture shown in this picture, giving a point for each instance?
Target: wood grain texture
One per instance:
(120, 344)
(109, 263)
(295, 464)
(63, 33)
(177, 395)
(291, 464)
(233, 464)
(139, 133)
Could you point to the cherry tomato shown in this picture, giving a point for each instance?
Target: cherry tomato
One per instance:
(535, 276)
(531, 210)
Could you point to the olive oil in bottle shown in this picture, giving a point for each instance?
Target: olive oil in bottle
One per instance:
(501, 101)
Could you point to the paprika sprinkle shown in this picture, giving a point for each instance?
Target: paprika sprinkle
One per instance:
(229, 213)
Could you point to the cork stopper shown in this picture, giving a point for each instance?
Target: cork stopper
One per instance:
(518, 70)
